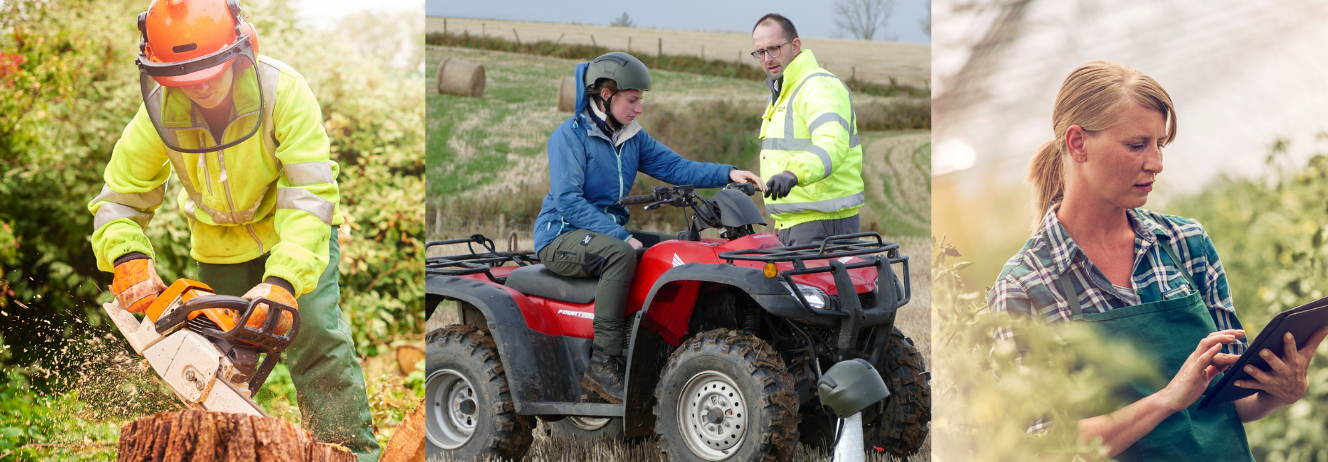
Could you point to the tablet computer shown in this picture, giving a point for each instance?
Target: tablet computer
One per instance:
(1301, 321)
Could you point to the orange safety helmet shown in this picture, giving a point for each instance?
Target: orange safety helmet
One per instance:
(178, 31)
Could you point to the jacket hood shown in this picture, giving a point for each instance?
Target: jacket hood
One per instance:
(581, 99)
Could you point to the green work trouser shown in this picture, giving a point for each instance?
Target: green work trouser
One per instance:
(583, 254)
(328, 380)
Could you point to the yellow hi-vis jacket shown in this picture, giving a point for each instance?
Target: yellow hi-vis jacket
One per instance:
(811, 131)
(274, 193)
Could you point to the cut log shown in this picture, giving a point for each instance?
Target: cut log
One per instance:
(407, 444)
(194, 435)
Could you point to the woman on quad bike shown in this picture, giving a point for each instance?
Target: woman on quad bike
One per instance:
(593, 160)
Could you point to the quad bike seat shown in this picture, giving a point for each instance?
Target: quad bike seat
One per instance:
(541, 282)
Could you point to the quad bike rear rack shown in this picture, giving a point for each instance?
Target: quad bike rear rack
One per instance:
(475, 262)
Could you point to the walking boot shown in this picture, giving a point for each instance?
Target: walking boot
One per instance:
(605, 375)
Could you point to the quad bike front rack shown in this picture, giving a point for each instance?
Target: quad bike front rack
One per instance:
(475, 262)
(850, 310)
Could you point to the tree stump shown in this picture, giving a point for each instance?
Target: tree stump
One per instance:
(407, 444)
(194, 435)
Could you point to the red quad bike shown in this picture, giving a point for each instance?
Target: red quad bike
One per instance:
(728, 339)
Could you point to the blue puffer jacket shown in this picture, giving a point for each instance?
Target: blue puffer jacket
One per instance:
(587, 174)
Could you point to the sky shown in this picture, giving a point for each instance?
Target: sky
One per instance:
(812, 18)
(322, 13)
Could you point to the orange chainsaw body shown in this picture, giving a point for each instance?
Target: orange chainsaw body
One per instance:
(181, 291)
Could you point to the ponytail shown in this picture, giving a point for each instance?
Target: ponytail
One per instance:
(1047, 174)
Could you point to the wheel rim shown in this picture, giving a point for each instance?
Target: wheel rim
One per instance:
(589, 424)
(453, 409)
(712, 414)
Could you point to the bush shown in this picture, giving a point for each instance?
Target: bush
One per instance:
(1272, 236)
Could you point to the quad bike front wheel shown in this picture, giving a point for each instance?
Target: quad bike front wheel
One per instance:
(470, 413)
(725, 395)
(901, 423)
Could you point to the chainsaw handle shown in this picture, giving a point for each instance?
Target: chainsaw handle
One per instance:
(265, 337)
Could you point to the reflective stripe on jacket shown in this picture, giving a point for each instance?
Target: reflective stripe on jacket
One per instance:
(811, 131)
(274, 193)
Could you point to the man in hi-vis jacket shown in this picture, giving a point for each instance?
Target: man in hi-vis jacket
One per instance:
(809, 140)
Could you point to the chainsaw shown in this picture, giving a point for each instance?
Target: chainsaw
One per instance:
(206, 346)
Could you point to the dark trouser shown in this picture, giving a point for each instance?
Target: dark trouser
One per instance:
(329, 383)
(817, 231)
(584, 254)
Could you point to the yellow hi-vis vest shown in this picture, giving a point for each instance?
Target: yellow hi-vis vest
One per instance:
(812, 132)
(276, 193)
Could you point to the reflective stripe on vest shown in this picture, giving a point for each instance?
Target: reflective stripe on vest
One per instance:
(127, 205)
(830, 205)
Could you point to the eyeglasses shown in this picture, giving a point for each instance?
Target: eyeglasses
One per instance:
(772, 52)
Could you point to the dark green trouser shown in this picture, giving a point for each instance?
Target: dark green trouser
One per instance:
(328, 380)
(584, 254)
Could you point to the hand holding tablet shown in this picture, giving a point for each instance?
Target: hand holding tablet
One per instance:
(1277, 360)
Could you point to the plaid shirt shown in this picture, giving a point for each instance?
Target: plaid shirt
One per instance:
(1028, 284)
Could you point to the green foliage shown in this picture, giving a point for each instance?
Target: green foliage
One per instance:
(679, 63)
(37, 427)
(990, 391)
(1272, 236)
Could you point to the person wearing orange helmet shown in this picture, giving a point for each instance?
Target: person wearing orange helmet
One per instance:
(244, 136)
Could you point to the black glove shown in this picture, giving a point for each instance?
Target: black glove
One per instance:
(779, 185)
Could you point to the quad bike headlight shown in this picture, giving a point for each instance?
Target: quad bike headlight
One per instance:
(814, 296)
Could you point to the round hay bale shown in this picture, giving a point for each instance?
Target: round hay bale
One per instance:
(462, 78)
(567, 94)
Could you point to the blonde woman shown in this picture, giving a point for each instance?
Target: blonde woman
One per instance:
(1140, 276)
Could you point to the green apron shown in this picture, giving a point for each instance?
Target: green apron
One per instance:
(1171, 329)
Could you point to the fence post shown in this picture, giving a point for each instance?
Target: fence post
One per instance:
(629, 44)
(703, 52)
(592, 41)
(518, 36)
(659, 54)
(560, 38)
(444, 26)
(482, 33)
(502, 224)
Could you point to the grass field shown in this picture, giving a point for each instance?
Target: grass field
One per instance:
(487, 173)
(874, 61)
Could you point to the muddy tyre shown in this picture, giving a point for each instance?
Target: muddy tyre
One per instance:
(901, 423)
(725, 395)
(470, 414)
(587, 430)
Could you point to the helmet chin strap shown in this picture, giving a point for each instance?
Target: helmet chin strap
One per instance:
(608, 109)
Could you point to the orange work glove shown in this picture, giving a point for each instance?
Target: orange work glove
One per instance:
(136, 285)
(277, 294)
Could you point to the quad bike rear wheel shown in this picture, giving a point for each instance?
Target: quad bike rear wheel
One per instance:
(470, 414)
(725, 395)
